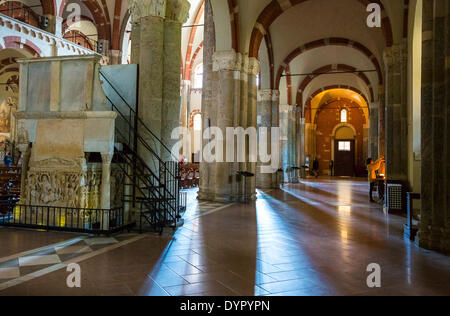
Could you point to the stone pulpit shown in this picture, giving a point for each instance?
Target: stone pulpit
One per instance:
(62, 117)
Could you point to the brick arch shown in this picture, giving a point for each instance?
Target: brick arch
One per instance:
(189, 57)
(16, 43)
(100, 15)
(235, 28)
(329, 69)
(194, 57)
(306, 113)
(48, 7)
(333, 41)
(276, 8)
(350, 102)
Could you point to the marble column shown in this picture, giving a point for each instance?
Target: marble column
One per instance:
(396, 120)
(177, 13)
(106, 187)
(264, 180)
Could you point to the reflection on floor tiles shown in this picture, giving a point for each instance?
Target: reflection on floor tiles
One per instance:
(312, 238)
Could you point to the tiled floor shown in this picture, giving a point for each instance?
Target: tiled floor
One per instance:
(312, 238)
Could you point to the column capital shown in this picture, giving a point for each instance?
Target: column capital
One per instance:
(143, 8)
(253, 66)
(178, 10)
(107, 158)
(275, 95)
(225, 60)
(265, 95)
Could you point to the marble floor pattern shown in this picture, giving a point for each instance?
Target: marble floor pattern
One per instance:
(312, 238)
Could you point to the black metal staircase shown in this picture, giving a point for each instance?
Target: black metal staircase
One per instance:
(152, 184)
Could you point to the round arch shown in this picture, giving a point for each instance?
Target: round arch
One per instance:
(276, 8)
(329, 69)
(335, 41)
(100, 16)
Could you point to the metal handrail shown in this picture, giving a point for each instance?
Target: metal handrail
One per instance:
(140, 121)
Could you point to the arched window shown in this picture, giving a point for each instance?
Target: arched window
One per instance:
(197, 122)
(198, 77)
(344, 116)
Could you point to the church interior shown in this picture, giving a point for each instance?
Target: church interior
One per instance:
(115, 120)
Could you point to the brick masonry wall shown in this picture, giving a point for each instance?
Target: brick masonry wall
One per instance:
(327, 119)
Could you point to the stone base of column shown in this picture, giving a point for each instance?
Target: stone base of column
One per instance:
(423, 239)
(264, 180)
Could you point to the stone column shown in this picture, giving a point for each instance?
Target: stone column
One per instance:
(185, 112)
(381, 123)
(177, 13)
(366, 143)
(106, 187)
(150, 16)
(284, 138)
(252, 105)
(292, 136)
(115, 56)
(25, 152)
(276, 123)
(226, 65)
(426, 181)
(435, 225)
(396, 124)
(207, 172)
(302, 145)
(264, 180)
(135, 42)
(373, 131)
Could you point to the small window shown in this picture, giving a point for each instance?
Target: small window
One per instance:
(198, 77)
(345, 146)
(197, 122)
(344, 116)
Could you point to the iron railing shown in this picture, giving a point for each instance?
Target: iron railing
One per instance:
(23, 13)
(155, 183)
(95, 221)
(84, 41)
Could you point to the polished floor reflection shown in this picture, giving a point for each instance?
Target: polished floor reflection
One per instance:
(312, 238)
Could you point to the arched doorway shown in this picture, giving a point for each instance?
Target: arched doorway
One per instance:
(344, 152)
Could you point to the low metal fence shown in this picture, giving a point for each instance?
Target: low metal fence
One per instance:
(95, 221)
